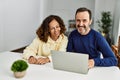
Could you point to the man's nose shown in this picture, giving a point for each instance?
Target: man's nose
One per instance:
(80, 23)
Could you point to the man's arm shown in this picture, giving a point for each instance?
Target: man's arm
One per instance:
(109, 58)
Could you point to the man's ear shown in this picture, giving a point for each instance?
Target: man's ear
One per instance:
(90, 21)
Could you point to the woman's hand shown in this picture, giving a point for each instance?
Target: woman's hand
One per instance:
(32, 60)
(42, 60)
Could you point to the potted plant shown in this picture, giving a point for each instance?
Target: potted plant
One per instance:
(19, 68)
(105, 24)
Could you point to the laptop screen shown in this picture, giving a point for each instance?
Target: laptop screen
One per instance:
(69, 61)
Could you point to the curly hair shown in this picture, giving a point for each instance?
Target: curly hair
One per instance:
(43, 30)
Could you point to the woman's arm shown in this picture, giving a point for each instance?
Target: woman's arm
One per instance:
(32, 49)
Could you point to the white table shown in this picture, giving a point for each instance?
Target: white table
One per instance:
(46, 72)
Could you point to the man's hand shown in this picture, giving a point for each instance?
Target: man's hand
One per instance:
(91, 63)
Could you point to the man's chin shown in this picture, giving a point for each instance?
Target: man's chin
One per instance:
(81, 32)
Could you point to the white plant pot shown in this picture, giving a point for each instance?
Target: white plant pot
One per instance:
(19, 74)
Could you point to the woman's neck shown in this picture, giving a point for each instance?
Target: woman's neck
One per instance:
(54, 38)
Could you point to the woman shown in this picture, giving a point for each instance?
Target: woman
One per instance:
(50, 36)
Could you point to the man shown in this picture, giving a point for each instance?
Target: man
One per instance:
(88, 41)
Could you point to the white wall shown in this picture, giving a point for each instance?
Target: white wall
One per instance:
(43, 9)
(19, 20)
(1, 28)
(116, 30)
(103, 5)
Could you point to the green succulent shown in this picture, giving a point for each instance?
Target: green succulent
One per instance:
(19, 66)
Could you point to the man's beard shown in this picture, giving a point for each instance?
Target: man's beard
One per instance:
(78, 26)
(85, 29)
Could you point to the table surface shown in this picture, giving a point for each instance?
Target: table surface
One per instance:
(46, 72)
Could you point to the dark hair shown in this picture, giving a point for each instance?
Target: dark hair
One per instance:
(43, 30)
(84, 9)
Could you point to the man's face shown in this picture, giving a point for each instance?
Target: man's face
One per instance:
(83, 22)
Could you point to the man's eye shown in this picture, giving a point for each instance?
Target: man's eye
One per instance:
(84, 20)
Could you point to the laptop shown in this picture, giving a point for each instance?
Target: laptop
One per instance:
(70, 61)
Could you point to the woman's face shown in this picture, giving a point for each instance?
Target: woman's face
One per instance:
(54, 28)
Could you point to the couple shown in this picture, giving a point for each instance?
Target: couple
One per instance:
(50, 36)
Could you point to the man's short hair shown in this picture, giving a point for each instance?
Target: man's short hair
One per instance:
(82, 9)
